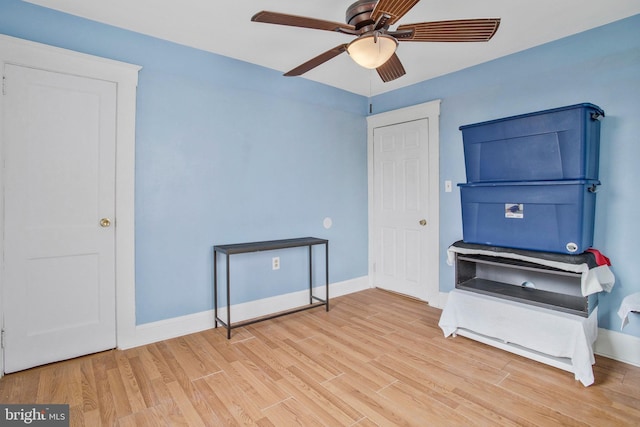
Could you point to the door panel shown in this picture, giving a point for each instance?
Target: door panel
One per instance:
(401, 202)
(59, 182)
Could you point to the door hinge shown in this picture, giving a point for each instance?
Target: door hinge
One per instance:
(4, 79)
(2, 339)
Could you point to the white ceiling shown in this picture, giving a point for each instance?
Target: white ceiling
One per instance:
(225, 28)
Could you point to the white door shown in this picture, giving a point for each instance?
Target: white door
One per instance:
(59, 291)
(404, 231)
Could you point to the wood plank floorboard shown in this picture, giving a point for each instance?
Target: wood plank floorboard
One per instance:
(375, 359)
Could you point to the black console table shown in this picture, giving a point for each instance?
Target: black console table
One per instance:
(242, 248)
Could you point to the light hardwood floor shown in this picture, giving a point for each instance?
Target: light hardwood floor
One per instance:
(375, 358)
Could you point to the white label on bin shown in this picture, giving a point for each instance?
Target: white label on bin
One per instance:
(514, 210)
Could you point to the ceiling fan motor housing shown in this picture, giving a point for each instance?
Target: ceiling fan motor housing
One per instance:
(359, 13)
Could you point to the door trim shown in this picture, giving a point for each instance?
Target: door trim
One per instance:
(427, 110)
(36, 55)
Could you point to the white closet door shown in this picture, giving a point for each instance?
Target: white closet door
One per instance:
(59, 139)
(403, 230)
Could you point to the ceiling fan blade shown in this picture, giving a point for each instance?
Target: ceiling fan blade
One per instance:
(396, 9)
(302, 21)
(461, 30)
(391, 70)
(318, 60)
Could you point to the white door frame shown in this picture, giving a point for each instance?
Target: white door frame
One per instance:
(427, 110)
(36, 55)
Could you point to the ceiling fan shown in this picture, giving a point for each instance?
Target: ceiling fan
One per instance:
(375, 45)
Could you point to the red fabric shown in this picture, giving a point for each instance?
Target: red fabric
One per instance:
(600, 259)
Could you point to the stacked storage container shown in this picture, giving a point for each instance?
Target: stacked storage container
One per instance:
(531, 180)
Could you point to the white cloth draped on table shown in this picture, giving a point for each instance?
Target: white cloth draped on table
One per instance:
(630, 303)
(550, 332)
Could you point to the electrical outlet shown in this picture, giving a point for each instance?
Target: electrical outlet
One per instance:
(447, 186)
(275, 263)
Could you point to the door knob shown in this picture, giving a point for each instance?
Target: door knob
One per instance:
(423, 222)
(105, 222)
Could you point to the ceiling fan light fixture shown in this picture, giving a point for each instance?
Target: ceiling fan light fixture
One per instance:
(372, 50)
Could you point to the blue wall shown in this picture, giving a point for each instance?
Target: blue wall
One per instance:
(601, 66)
(230, 152)
(226, 152)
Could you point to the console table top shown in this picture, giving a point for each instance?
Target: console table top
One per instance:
(238, 248)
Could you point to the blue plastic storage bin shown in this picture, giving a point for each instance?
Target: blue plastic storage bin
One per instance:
(549, 216)
(558, 144)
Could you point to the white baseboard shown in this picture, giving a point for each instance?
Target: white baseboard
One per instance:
(170, 328)
(440, 301)
(618, 346)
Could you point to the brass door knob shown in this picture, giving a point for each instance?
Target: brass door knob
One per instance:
(423, 222)
(105, 222)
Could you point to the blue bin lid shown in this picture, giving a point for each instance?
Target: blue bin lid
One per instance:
(585, 105)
